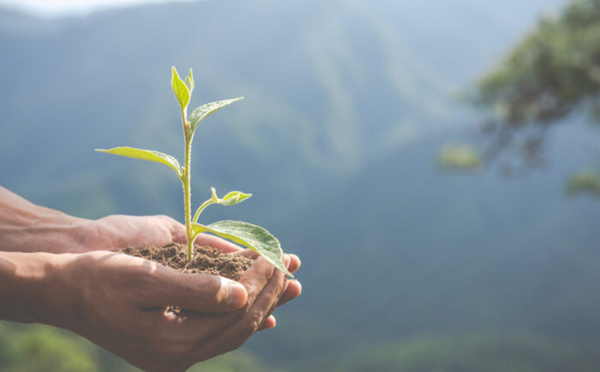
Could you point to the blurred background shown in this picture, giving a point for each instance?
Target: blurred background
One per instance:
(434, 164)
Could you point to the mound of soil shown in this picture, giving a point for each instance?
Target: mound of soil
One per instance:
(206, 260)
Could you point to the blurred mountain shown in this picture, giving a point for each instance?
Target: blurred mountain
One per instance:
(347, 104)
(328, 91)
(459, 252)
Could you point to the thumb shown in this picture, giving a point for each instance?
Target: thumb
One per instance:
(198, 292)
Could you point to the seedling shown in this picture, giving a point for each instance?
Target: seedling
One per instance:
(246, 234)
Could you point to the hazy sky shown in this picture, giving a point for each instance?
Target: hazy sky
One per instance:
(54, 8)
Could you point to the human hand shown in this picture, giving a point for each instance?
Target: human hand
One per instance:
(27, 227)
(120, 304)
(118, 231)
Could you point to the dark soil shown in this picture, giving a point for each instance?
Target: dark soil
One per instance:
(206, 260)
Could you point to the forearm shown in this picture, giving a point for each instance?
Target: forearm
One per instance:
(26, 227)
(32, 288)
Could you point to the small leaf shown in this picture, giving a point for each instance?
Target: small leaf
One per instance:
(150, 155)
(254, 237)
(233, 198)
(189, 81)
(182, 92)
(203, 111)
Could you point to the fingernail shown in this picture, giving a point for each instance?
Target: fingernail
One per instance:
(237, 294)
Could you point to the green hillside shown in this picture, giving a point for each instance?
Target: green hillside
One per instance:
(43, 348)
(469, 353)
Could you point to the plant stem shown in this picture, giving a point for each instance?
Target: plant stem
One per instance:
(185, 180)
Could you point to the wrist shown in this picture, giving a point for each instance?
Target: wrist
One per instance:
(33, 288)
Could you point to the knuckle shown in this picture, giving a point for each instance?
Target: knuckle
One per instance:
(253, 324)
(164, 217)
(210, 290)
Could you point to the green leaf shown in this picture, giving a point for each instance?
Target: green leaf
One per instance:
(182, 92)
(233, 198)
(150, 155)
(205, 110)
(254, 237)
(214, 197)
(189, 81)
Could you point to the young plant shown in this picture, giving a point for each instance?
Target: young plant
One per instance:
(251, 236)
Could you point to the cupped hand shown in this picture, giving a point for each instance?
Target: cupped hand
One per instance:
(121, 304)
(118, 231)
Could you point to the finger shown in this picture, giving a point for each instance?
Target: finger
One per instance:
(211, 293)
(261, 310)
(254, 280)
(253, 320)
(256, 277)
(270, 323)
(197, 292)
(177, 229)
(293, 266)
(248, 253)
(293, 290)
(190, 328)
(120, 231)
(293, 262)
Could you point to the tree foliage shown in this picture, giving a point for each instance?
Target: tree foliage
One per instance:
(463, 158)
(586, 181)
(551, 73)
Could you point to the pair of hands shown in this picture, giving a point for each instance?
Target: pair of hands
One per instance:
(119, 302)
(129, 295)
